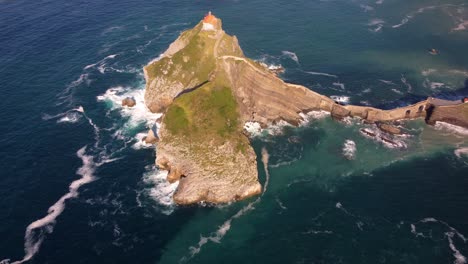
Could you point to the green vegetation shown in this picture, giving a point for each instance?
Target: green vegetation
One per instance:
(209, 113)
(206, 109)
(178, 119)
(194, 61)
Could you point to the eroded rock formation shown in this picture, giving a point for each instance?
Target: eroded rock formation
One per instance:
(208, 89)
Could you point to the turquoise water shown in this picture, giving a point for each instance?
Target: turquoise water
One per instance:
(332, 194)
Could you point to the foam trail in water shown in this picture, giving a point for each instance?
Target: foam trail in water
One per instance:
(459, 258)
(46, 117)
(387, 82)
(66, 95)
(366, 8)
(100, 62)
(405, 82)
(339, 84)
(291, 55)
(35, 232)
(321, 73)
(421, 10)
(226, 226)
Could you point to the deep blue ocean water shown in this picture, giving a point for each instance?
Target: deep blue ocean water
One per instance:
(77, 185)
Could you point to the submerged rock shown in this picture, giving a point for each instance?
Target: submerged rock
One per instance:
(151, 137)
(389, 128)
(129, 101)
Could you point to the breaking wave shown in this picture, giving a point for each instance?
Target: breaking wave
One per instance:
(349, 149)
(452, 129)
(159, 189)
(340, 99)
(138, 114)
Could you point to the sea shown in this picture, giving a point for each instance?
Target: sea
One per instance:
(77, 185)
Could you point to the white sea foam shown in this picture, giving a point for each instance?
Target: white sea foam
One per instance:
(339, 205)
(69, 118)
(405, 82)
(366, 8)
(253, 128)
(452, 129)
(421, 10)
(138, 114)
(36, 231)
(339, 84)
(377, 28)
(414, 232)
(459, 258)
(111, 29)
(375, 21)
(318, 232)
(278, 128)
(140, 143)
(226, 226)
(291, 55)
(281, 205)
(160, 189)
(321, 73)
(397, 91)
(462, 25)
(428, 72)
(349, 149)
(101, 64)
(461, 152)
(340, 99)
(383, 138)
(313, 115)
(387, 82)
(436, 85)
(66, 95)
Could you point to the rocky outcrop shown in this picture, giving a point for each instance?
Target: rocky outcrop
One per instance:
(129, 101)
(208, 90)
(151, 137)
(389, 128)
(208, 171)
(452, 114)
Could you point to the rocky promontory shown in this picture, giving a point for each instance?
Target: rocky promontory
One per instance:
(207, 90)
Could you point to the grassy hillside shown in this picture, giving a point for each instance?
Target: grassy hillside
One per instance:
(209, 113)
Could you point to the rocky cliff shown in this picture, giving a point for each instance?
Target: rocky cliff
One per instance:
(208, 89)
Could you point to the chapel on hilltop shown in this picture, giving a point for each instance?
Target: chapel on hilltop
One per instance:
(209, 22)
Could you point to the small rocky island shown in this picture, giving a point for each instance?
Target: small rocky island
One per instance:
(207, 90)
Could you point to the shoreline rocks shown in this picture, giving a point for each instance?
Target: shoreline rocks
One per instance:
(208, 156)
(129, 101)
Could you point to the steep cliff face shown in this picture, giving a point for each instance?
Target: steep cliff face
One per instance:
(265, 98)
(202, 145)
(207, 90)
